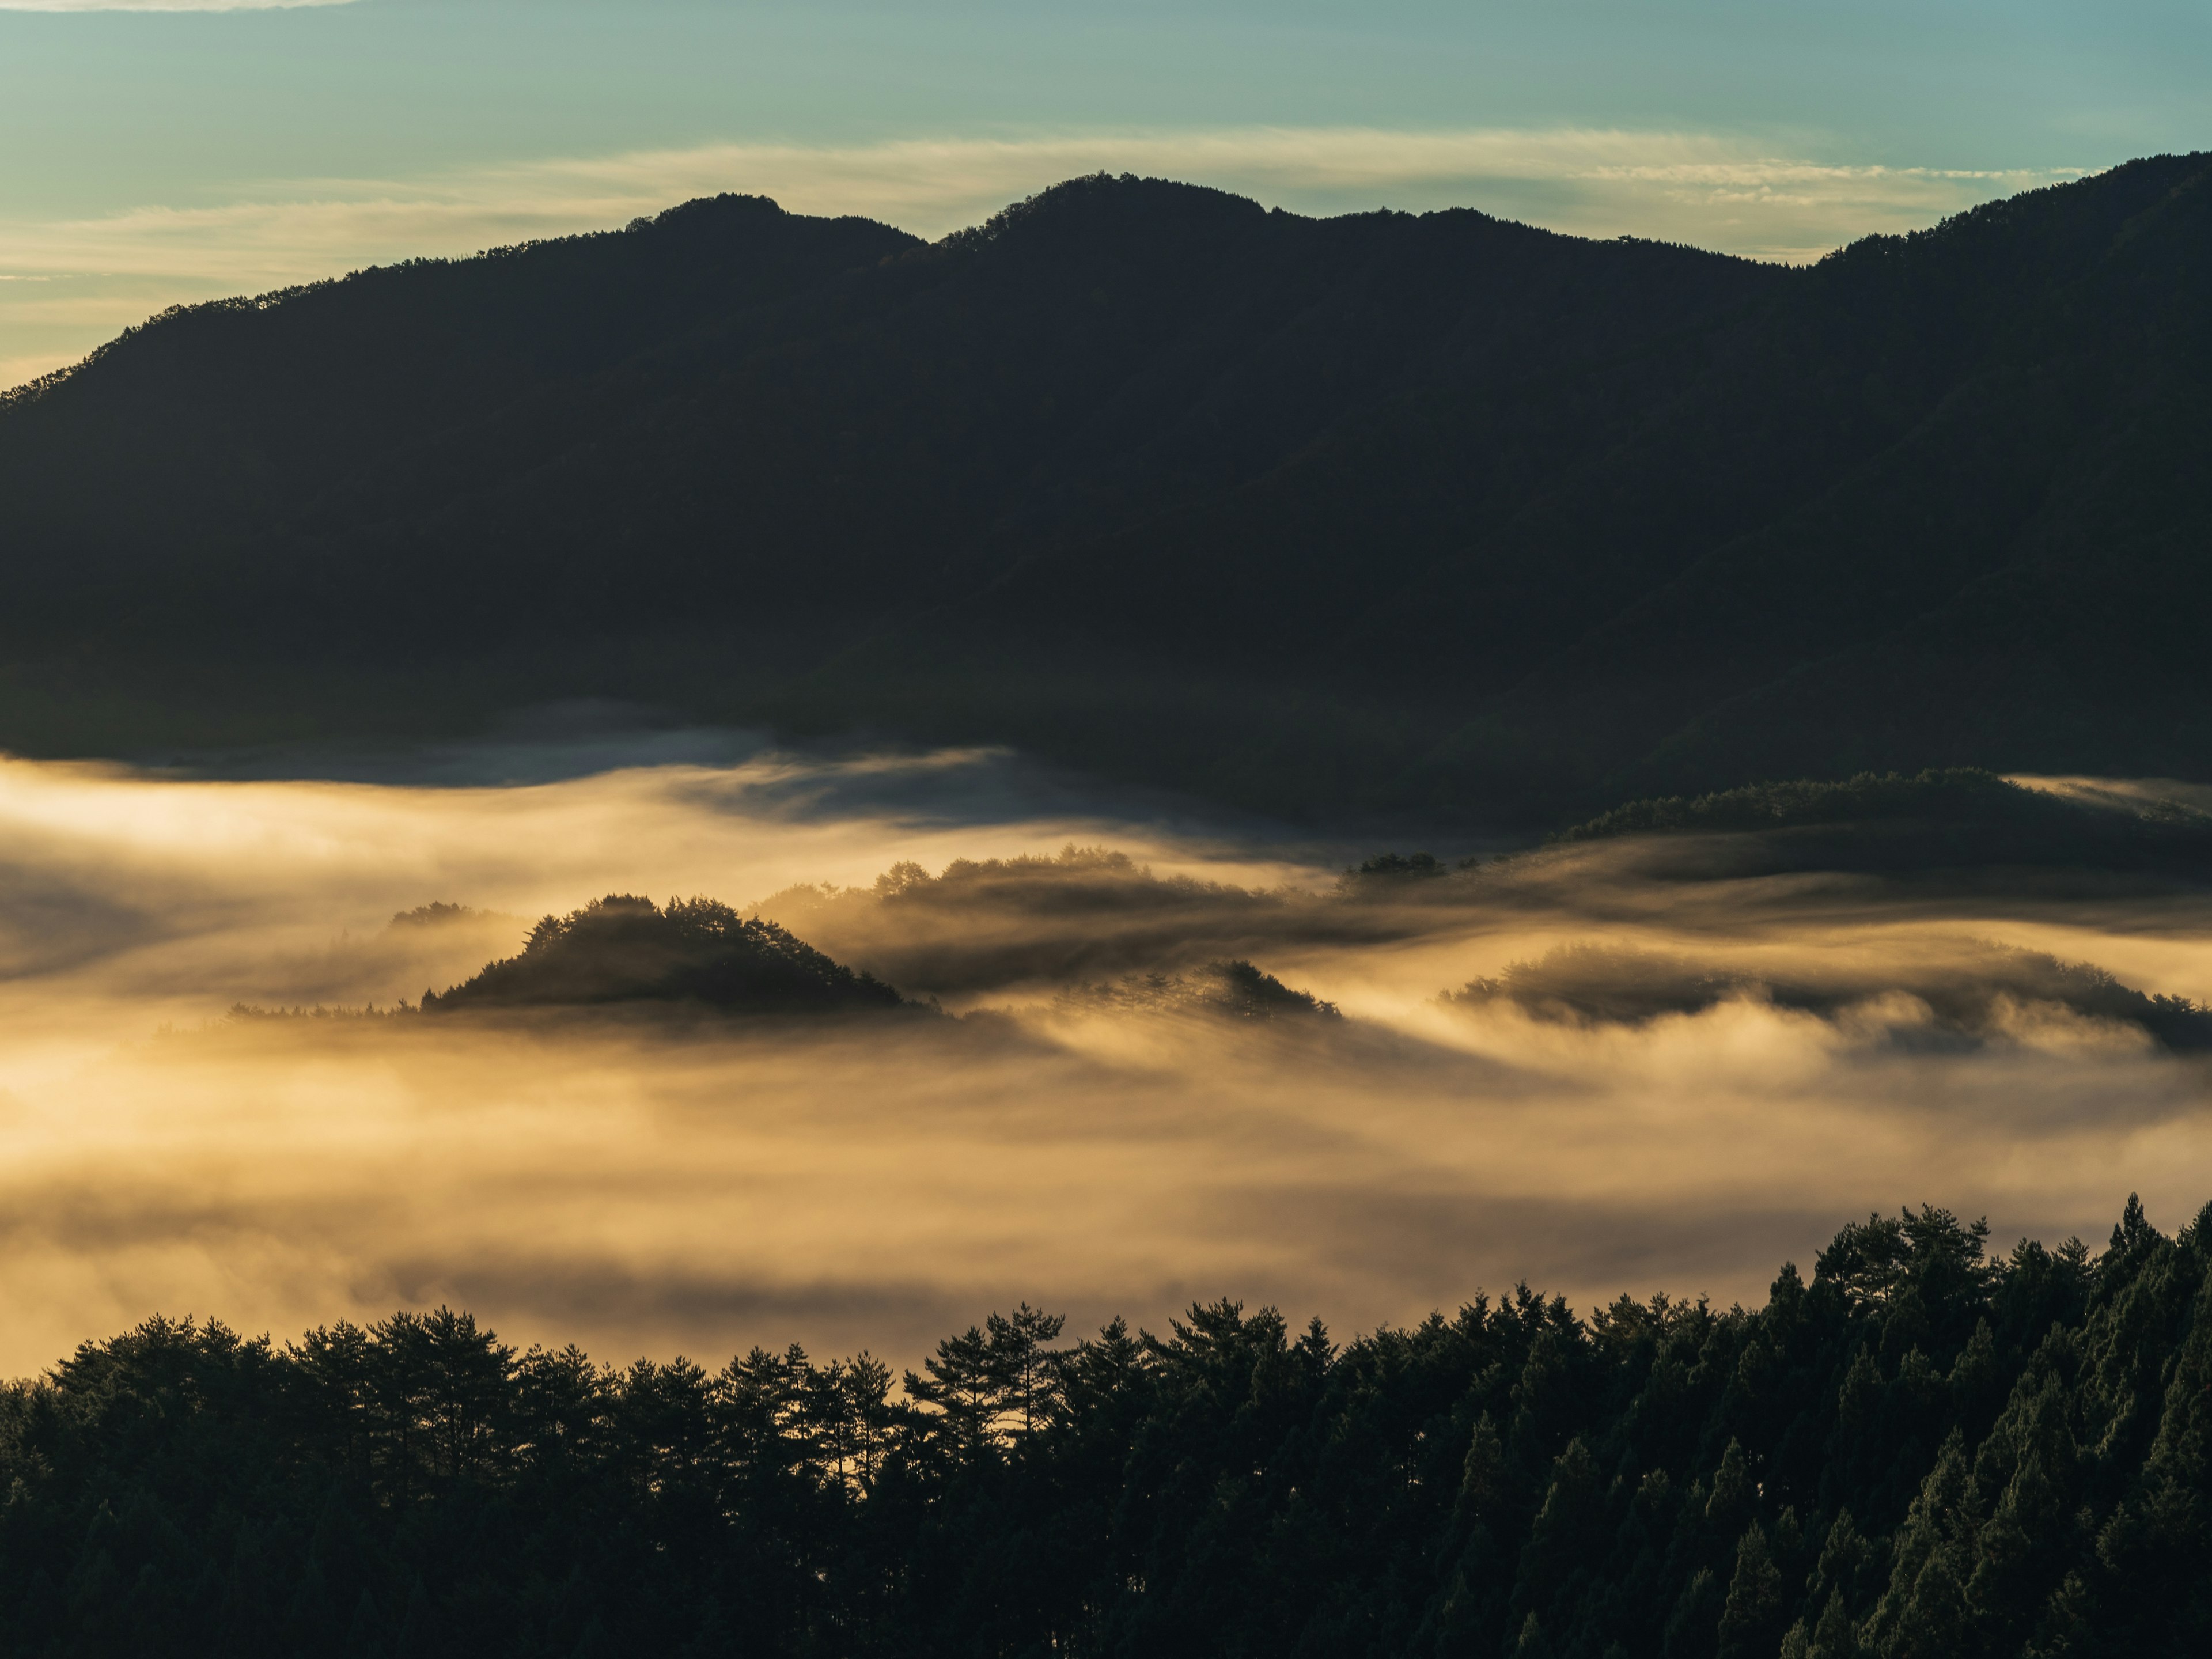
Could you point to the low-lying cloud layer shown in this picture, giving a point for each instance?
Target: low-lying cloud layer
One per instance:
(1168, 1066)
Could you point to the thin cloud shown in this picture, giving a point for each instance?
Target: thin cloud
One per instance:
(1725, 193)
(164, 5)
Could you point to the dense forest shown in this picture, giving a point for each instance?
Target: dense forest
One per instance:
(1920, 1449)
(1437, 516)
(624, 949)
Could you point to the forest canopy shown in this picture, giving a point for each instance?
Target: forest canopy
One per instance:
(624, 949)
(1923, 1448)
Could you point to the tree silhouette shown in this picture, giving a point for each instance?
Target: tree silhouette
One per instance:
(1921, 1449)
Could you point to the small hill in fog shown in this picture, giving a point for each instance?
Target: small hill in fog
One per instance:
(1230, 990)
(622, 949)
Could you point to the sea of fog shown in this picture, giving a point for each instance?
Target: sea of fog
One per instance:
(1089, 1124)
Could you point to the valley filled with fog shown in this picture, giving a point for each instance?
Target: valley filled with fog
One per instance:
(1141, 1065)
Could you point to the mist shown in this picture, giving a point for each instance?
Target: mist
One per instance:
(1145, 1065)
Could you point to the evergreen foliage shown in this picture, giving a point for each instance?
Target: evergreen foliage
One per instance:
(1234, 990)
(626, 949)
(1922, 1450)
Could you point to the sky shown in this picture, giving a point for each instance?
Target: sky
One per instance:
(165, 151)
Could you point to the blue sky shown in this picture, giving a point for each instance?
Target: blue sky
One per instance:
(150, 155)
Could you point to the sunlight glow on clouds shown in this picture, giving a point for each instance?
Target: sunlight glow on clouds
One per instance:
(1092, 1145)
(66, 285)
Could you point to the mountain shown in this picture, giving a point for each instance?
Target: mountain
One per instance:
(1437, 515)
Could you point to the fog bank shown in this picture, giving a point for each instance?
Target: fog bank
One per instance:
(1565, 1066)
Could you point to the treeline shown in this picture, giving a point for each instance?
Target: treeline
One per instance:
(1970, 991)
(623, 948)
(1960, 817)
(1920, 1451)
(1952, 795)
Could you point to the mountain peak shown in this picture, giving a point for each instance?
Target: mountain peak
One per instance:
(1435, 515)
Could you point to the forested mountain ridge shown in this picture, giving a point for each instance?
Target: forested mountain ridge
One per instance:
(1919, 1451)
(1433, 514)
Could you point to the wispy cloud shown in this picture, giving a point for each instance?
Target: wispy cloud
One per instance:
(1721, 192)
(163, 5)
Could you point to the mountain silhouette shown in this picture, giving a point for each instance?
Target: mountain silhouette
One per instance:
(1429, 514)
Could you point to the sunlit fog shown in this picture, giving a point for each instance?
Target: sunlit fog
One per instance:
(1140, 1067)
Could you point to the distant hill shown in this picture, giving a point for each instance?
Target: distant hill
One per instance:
(1436, 515)
(622, 949)
(1962, 819)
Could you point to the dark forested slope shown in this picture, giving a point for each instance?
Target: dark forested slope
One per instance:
(1433, 513)
(1919, 1451)
(626, 950)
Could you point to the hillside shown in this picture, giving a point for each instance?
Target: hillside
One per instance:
(626, 950)
(1440, 515)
